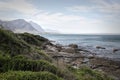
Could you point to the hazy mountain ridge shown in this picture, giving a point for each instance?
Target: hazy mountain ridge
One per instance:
(21, 26)
(18, 26)
(36, 26)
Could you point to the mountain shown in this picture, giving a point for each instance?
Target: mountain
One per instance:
(37, 27)
(18, 26)
(41, 30)
(21, 26)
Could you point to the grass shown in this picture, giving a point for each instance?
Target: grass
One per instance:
(18, 53)
(22, 44)
(43, 55)
(11, 44)
(89, 74)
(28, 75)
(33, 39)
(22, 63)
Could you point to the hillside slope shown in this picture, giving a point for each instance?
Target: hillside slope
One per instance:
(22, 58)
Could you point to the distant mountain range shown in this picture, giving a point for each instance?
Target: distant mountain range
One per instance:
(18, 26)
(37, 27)
(21, 26)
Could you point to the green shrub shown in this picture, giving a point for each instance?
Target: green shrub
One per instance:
(11, 44)
(3, 60)
(20, 57)
(27, 75)
(43, 55)
(20, 44)
(33, 39)
(29, 65)
(23, 64)
(89, 74)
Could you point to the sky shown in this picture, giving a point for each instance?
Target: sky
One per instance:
(66, 16)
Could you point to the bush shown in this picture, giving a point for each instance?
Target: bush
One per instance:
(11, 44)
(33, 39)
(28, 65)
(27, 75)
(22, 44)
(89, 74)
(21, 63)
(20, 57)
(43, 55)
(3, 60)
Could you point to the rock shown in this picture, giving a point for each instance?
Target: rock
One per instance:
(96, 66)
(115, 50)
(111, 67)
(83, 50)
(72, 48)
(99, 47)
(90, 56)
(85, 60)
(52, 41)
(51, 48)
(73, 45)
(59, 47)
(75, 65)
(69, 50)
(46, 44)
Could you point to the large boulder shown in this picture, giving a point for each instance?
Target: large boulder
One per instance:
(69, 50)
(100, 47)
(73, 45)
(115, 50)
(51, 48)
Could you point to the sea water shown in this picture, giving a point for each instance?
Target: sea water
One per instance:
(90, 42)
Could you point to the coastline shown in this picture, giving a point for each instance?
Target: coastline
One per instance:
(27, 52)
(107, 46)
(77, 58)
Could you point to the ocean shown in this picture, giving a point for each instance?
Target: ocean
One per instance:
(89, 42)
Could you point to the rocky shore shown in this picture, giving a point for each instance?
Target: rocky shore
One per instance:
(26, 57)
(77, 58)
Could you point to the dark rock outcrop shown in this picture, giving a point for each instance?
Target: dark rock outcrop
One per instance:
(115, 50)
(100, 47)
(109, 66)
(73, 45)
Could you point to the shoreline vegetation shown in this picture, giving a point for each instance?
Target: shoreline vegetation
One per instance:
(31, 57)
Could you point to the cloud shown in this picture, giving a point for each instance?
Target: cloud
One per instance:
(55, 18)
(22, 6)
(80, 8)
(66, 23)
(104, 6)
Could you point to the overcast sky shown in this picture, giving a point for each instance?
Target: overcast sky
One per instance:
(66, 16)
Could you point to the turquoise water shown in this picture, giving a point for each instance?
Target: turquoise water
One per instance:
(89, 42)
